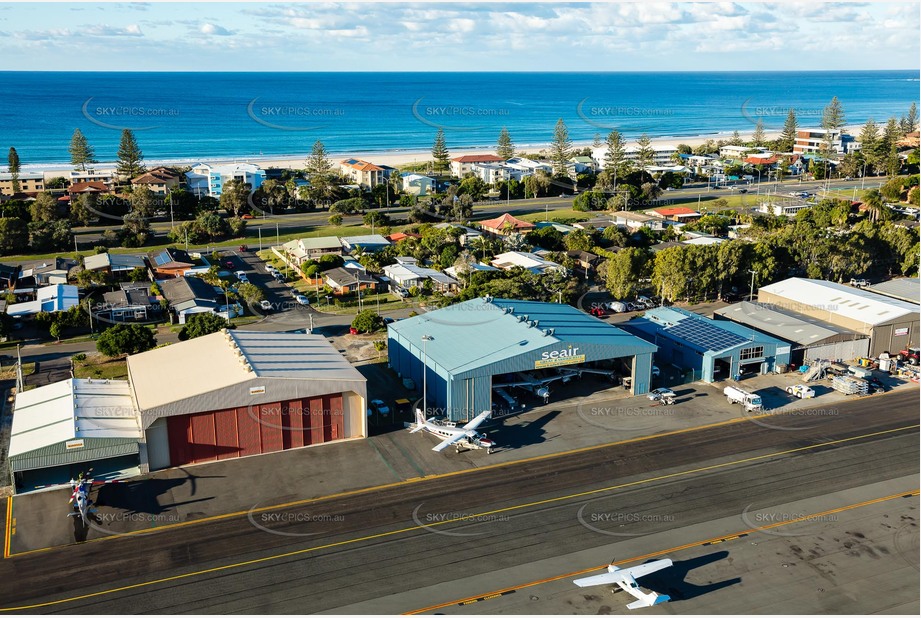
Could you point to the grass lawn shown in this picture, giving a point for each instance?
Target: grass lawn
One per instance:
(8, 372)
(97, 366)
(539, 214)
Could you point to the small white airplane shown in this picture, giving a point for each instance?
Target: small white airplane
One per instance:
(626, 579)
(452, 434)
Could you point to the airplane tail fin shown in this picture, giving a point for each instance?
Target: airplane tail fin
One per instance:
(420, 421)
(649, 600)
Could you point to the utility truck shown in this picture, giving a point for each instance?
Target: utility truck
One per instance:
(749, 401)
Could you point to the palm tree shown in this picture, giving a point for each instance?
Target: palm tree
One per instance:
(873, 200)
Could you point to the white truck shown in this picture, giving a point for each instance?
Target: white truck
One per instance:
(747, 400)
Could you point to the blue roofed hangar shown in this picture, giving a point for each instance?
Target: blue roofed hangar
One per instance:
(465, 345)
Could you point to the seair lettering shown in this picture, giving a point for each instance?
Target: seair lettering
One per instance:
(559, 354)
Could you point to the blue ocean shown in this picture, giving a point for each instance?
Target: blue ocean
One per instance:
(183, 116)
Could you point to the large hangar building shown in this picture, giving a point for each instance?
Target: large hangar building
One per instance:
(462, 348)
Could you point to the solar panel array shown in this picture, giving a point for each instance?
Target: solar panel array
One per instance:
(163, 258)
(705, 335)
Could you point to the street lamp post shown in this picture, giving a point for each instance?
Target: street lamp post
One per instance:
(751, 290)
(425, 339)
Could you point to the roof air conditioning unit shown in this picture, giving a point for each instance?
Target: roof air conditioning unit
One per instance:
(508, 310)
(548, 332)
(522, 318)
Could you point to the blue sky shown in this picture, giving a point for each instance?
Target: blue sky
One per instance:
(510, 36)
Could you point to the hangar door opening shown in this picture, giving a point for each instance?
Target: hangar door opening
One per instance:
(254, 430)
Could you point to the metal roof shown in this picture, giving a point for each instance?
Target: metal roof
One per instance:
(214, 369)
(798, 328)
(72, 410)
(481, 332)
(703, 333)
(849, 302)
(906, 289)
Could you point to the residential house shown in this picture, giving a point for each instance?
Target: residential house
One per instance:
(93, 186)
(398, 236)
(50, 299)
(407, 273)
(594, 224)
(117, 264)
(562, 228)
(347, 281)
(679, 214)
(506, 225)
(663, 154)
(302, 249)
(206, 179)
(28, 183)
(467, 236)
(190, 295)
(529, 261)
(364, 174)
(634, 220)
(522, 167)
(585, 261)
(9, 276)
(785, 207)
(584, 164)
(461, 166)
(54, 272)
(160, 180)
(417, 184)
(170, 262)
(132, 305)
(369, 242)
(736, 152)
(465, 269)
(490, 173)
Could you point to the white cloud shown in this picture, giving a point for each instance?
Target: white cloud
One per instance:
(214, 30)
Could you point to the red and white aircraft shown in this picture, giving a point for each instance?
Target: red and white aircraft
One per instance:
(626, 579)
(452, 434)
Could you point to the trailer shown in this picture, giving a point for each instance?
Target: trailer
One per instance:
(850, 385)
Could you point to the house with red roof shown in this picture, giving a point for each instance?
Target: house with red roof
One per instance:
(461, 166)
(679, 214)
(93, 186)
(159, 180)
(506, 225)
(362, 173)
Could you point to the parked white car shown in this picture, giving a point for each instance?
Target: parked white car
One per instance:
(659, 393)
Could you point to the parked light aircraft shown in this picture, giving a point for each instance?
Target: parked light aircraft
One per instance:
(452, 434)
(626, 579)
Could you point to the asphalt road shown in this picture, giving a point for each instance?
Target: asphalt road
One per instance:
(341, 551)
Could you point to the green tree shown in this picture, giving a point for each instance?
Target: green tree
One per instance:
(125, 339)
(560, 148)
(911, 120)
(82, 209)
(202, 324)
(440, 154)
(135, 230)
(318, 164)
(335, 220)
(250, 293)
(736, 139)
(615, 158)
(832, 121)
(645, 153)
(130, 158)
(758, 135)
(234, 197)
(81, 153)
(13, 167)
(139, 273)
(143, 202)
(788, 134)
(873, 201)
(14, 235)
(44, 208)
(624, 270)
(505, 149)
(367, 321)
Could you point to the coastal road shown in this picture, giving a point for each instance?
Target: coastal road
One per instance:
(391, 550)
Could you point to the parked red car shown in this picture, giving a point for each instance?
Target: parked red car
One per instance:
(353, 330)
(598, 312)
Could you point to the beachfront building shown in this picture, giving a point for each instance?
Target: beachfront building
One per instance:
(160, 180)
(812, 141)
(28, 183)
(461, 166)
(366, 175)
(491, 173)
(206, 179)
(736, 152)
(663, 154)
(417, 184)
(79, 176)
(522, 167)
(529, 261)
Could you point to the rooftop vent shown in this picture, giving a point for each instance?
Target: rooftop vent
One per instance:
(508, 309)
(522, 318)
(487, 299)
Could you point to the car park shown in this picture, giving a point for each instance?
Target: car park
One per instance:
(301, 299)
(800, 391)
(659, 393)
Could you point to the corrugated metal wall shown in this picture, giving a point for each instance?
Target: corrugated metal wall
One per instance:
(266, 428)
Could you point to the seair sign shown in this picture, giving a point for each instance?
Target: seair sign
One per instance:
(559, 357)
(73, 444)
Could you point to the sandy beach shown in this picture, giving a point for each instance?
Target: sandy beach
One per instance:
(391, 158)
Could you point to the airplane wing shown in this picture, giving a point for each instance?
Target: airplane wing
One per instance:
(600, 580)
(449, 441)
(645, 569)
(477, 421)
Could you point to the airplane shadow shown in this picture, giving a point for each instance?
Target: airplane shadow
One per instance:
(143, 496)
(509, 437)
(672, 582)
